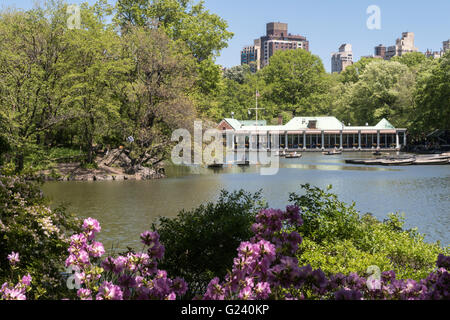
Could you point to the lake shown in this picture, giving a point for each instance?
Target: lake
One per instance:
(126, 208)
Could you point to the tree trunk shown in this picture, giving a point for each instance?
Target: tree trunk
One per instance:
(19, 162)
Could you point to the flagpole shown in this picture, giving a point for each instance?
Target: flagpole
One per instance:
(256, 95)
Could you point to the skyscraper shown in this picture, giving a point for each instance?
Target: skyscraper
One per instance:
(342, 59)
(446, 45)
(277, 38)
(251, 55)
(380, 51)
(402, 45)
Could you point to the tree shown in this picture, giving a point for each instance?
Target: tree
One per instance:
(432, 98)
(157, 97)
(30, 99)
(294, 78)
(93, 70)
(237, 73)
(384, 90)
(352, 73)
(201, 243)
(411, 59)
(203, 32)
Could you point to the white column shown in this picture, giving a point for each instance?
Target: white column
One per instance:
(304, 140)
(359, 140)
(404, 139)
(378, 139)
(340, 140)
(285, 140)
(323, 141)
(232, 141)
(397, 140)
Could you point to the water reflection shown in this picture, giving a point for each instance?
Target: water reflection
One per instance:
(126, 208)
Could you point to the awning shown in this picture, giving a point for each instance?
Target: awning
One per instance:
(368, 131)
(387, 131)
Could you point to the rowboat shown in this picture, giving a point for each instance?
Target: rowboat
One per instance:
(373, 161)
(332, 152)
(215, 165)
(293, 155)
(355, 161)
(397, 162)
(378, 153)
(430, 161)
(243, 162)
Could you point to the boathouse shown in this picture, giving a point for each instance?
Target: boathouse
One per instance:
(312, 133)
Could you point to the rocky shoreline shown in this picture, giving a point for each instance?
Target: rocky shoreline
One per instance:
(111, 166)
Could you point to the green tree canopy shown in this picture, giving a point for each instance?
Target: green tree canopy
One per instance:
(294, 79)
(384, 90)
(432, 98)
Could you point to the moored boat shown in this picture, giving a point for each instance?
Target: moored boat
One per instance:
(293, 155)
(332, 152)
(373, 161)
(243, 162)
(215, 165)
(397, 162)
(280, 153)
(355, 161)
(431, 161)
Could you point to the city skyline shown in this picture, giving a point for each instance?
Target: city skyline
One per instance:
(326, 24)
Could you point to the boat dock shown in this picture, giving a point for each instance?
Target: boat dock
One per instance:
(438, 159)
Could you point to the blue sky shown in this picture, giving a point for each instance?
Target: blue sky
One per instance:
(326, 23)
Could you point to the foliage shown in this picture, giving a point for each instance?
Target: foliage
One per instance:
(351, 73)
(30, 101)
(205, 33)
(38, 234)
(432, 97)
(338, 238)
(383, 91)
(266, 268)
(128, 276)
(294, 78)
(273, 261)
(93, 71)
(237, 73)
(200, 243)
(155, 100)
(411, 59)
(93, 87)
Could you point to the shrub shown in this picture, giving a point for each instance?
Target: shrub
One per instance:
(338, 238)
(129, 276)
(200, 243)
(29, 228)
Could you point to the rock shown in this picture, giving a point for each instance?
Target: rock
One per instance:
(116, 156)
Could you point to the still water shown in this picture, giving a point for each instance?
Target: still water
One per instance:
(126, 208)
